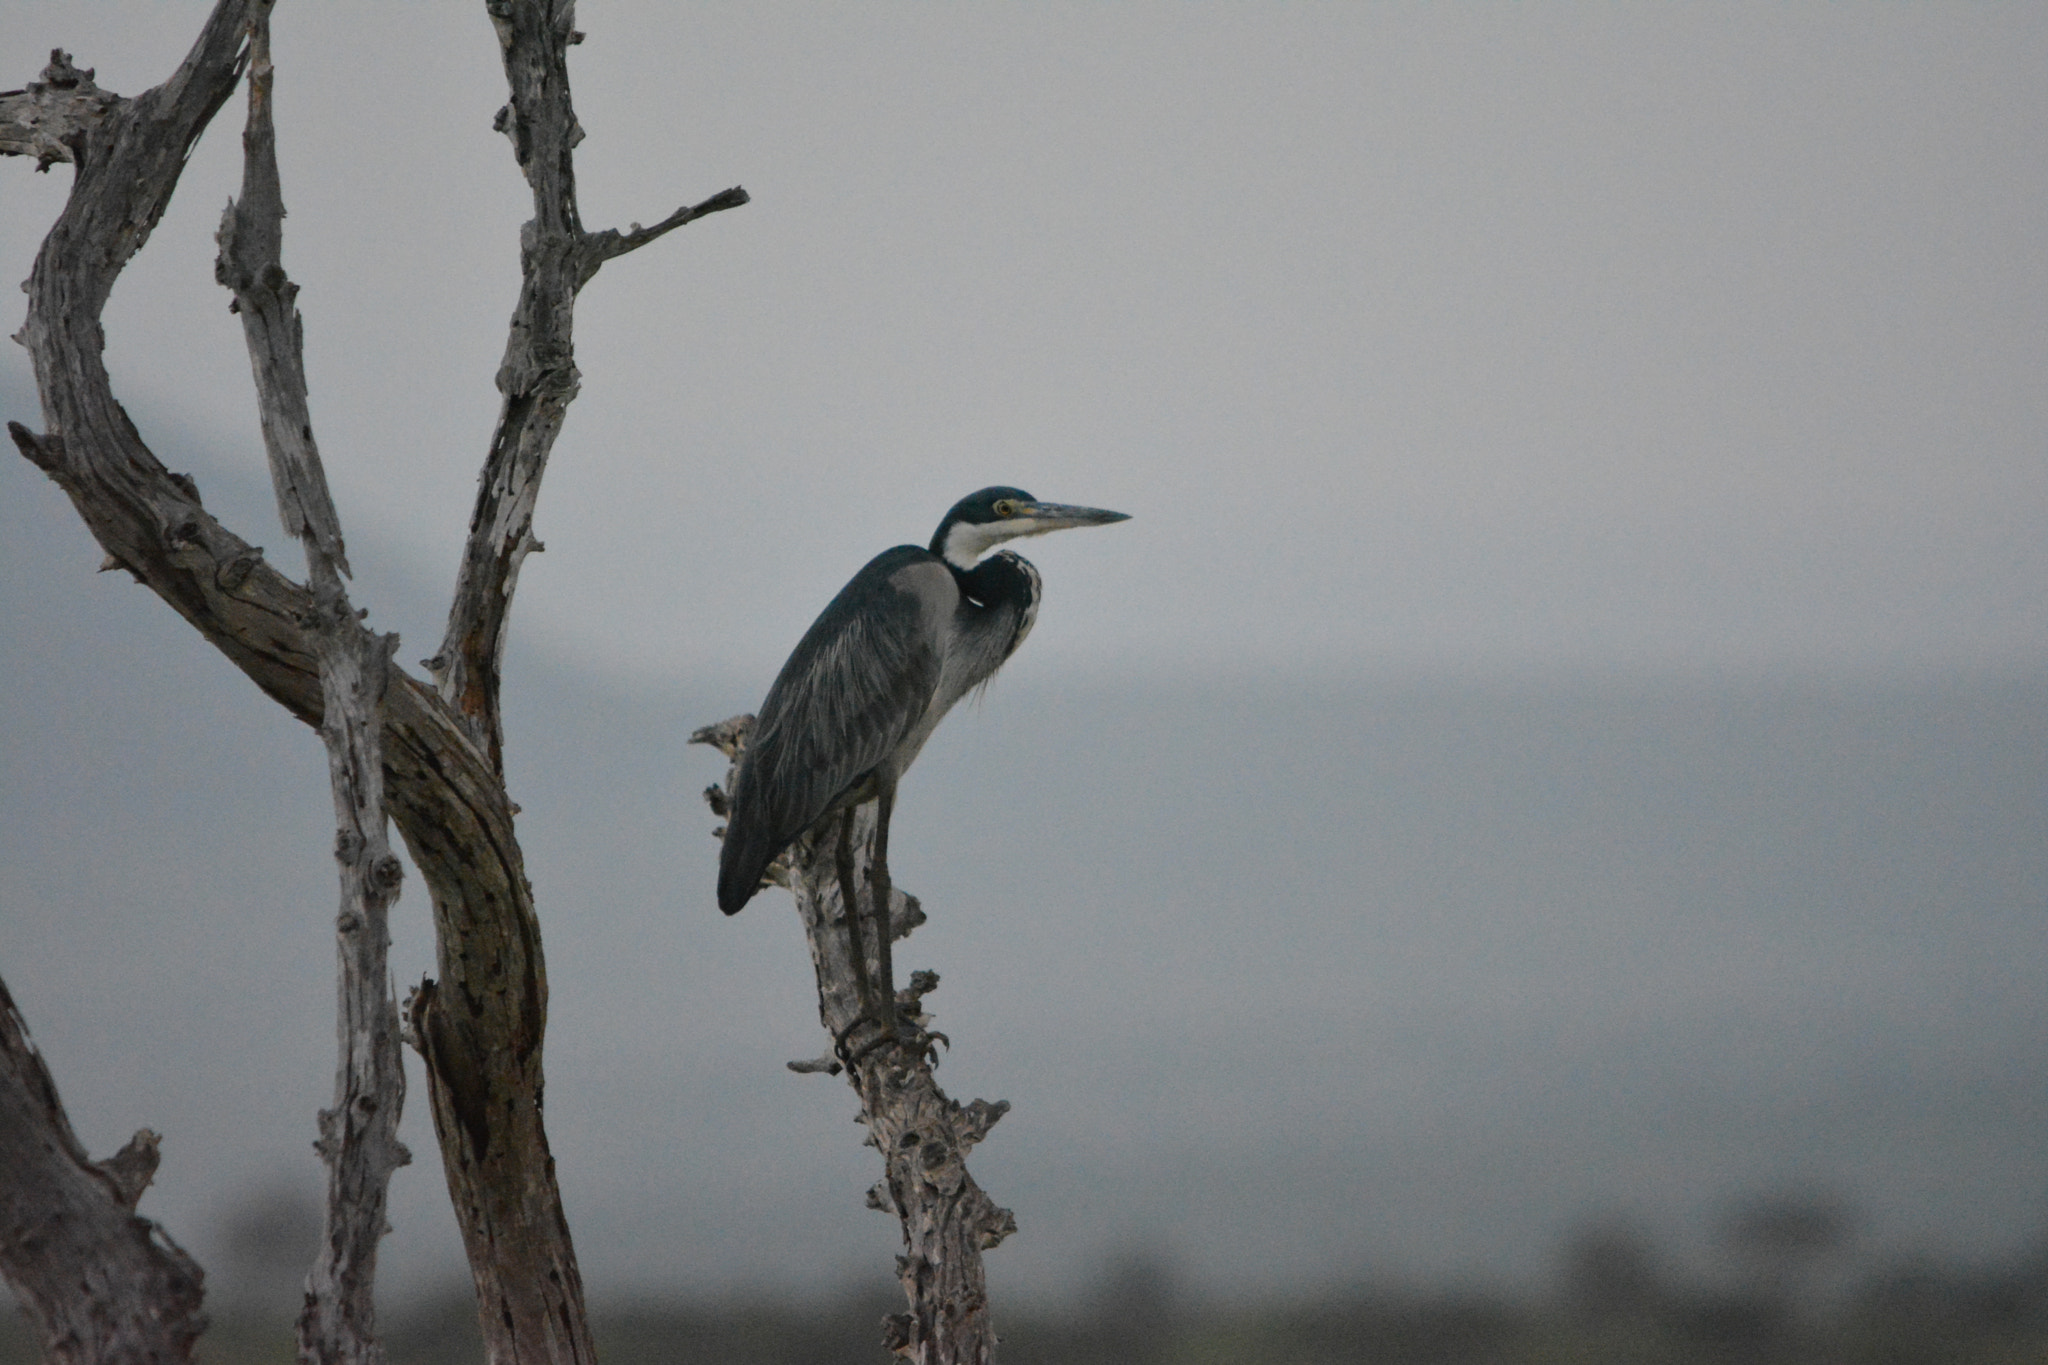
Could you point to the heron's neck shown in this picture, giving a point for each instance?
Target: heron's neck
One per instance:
(1005, 578)
(964, 543)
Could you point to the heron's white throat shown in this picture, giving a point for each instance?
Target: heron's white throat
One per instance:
(968, 541)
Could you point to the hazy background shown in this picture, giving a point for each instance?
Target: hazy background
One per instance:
(1562, 736)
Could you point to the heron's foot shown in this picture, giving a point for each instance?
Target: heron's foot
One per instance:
(908, 1034)
(927, 1041)
(860, 1038)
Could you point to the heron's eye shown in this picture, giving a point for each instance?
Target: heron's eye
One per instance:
(1006, 508)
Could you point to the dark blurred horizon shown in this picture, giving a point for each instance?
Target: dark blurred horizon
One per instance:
(1790, 1287)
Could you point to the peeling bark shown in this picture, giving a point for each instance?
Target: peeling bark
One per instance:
(923, 1137)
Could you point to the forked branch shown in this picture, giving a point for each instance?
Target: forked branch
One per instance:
(480, 1027)
(537, 378)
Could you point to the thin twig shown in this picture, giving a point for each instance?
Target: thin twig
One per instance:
(600, 247)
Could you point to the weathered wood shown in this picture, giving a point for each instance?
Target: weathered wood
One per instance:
(45, 119)
(359, 1135)
(102, 1285)
(923, 1137)
(251, 264)
(488, 1017)
(537, 377)
(480, 1027)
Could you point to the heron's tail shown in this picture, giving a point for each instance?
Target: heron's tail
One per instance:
(741, 863)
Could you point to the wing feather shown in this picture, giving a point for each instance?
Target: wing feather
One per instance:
(854, 689)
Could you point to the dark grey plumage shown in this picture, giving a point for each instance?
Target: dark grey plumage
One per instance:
(913, 632)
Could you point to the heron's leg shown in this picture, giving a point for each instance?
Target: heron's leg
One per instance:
(849, 899)
(878, 877)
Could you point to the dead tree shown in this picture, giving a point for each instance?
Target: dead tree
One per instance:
(429, 756)
(923, 1137)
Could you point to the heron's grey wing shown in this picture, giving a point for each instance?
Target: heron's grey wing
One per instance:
(855, 687)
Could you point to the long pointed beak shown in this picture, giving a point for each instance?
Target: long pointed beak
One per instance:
(1057, 516)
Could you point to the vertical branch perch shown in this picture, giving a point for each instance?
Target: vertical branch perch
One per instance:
(359, 1135)
(923, 1137)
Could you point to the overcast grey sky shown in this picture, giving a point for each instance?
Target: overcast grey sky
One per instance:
(1695, 341)
(1461, 336)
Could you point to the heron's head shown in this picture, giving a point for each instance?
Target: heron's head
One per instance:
(981, 521)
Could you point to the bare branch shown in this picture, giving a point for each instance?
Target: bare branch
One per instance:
(250, 263)
(100, 1283)
(538, 377)
(484, 1075)
(487, 1020)
(947, 1220)
(359, 1135)
(47, 119)
(600, 247)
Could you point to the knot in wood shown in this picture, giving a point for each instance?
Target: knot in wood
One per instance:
(235, 572)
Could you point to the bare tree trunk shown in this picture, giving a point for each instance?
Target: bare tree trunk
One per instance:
(486, 1096)
(102, 1285)
(359, 1135)
(480, 1027)
(923, 1136)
